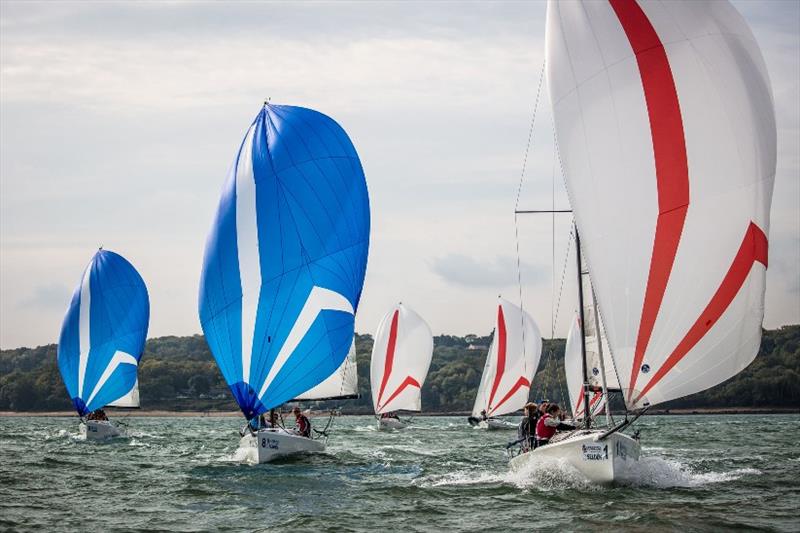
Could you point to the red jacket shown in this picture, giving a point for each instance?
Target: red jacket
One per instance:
(543, 431)
(303, 426)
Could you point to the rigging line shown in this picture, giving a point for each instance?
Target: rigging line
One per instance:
(530, 135)
(516, 216)
(553, 241)
(563, 272)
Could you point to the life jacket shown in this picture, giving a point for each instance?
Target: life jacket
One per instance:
(543, 431)
(304, 426)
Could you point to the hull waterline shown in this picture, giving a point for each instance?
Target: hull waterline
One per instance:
(99, 430)
(270, 444)
(385, 424)
(602, 462)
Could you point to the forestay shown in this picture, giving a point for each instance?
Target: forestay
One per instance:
(401, 356)
(342, 383)
(666, 129)
(103, 335)
(286, 257)
(511, 363)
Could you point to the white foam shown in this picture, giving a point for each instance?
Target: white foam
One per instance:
(247, 455)
(659, 472)
(547, 474)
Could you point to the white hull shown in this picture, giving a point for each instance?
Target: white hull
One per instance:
(270, 444)
(495, 425)
(599, 461)
(391, 423)
(98, 430)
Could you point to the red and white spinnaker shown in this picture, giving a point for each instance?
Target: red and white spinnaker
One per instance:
(511, 363)
(666, 129)
(401, 356)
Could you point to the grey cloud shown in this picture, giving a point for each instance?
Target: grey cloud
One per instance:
(48, 297)
(467, 271)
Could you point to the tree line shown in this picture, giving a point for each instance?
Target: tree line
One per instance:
(179, 373)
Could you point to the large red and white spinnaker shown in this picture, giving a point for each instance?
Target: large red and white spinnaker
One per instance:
(666, 130)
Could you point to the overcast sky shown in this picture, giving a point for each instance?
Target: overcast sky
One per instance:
(119, 121)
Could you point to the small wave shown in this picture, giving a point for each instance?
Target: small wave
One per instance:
(458, 479)
(545, 475)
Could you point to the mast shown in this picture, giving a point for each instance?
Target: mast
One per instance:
(587, 415)
(600, 355)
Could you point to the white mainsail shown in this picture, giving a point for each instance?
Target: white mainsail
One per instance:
(666, 129)
(342, 383)
(511, 363)
(401, 356)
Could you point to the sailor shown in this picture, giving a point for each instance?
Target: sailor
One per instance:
(483, 416)
(549, 424)
(97, 414)
(263, 423)
(303, 425)
(527, 426)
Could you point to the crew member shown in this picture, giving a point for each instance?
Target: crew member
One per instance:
(549, 424)
(302, 424)
(527, 426)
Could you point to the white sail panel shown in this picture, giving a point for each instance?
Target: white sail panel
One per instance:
(573, 367)
(664, 112)
(343, 382)
(401, 356)
(130, 400)
(511, 363)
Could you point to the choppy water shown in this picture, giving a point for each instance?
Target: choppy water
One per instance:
(698, 473)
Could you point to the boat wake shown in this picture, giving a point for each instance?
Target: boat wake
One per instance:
(553, 475)
(659, 472)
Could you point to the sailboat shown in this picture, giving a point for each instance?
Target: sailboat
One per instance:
(284, 268)
(102, 340)
(510, 366)
(663, 111)
(401, 357)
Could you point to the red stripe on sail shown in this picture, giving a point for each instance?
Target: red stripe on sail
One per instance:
(753, 248)
(387, 368)
(578, 409)
(521, 382)
(408, 382)
(592, 402)
(669, 152)
(501, 354)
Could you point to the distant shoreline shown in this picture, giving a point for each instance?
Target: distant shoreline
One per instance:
(160, 413)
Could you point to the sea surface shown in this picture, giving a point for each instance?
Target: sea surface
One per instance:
(697, 473)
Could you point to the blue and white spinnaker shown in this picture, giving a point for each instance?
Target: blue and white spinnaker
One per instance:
(103, 335)
(286, 258)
